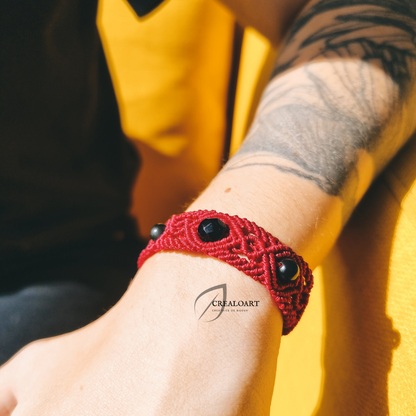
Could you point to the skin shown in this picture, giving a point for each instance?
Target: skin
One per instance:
(338, 108)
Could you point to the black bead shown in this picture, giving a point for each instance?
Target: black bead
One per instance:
(156, 231)
(288, 270)
(212, 229)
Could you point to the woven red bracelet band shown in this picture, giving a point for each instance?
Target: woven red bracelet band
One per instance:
(247, 247)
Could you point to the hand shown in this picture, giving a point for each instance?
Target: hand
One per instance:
(150, 355)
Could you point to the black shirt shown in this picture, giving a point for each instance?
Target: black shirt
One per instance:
(66, 169)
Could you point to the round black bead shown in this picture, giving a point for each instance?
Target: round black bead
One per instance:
(212, 229)
(288, 270)
(156, 231)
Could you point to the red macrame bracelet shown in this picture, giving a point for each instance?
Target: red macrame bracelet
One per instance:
(245, 246)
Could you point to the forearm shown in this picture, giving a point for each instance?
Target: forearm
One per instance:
(337, 110)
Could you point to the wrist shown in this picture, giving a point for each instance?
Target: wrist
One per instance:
(290, 208)
(234, 352)
(170, 282)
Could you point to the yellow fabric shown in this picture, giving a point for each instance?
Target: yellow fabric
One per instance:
(170, 72)
(354, 351)
(256, 63)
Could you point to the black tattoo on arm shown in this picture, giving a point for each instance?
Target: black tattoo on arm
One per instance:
(394, 49)
(318, 121)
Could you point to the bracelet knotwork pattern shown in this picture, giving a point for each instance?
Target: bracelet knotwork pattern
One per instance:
(248, 248)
